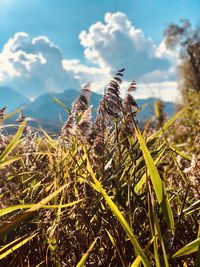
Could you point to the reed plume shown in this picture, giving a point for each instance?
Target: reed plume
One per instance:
(78, 121)
(2, 113)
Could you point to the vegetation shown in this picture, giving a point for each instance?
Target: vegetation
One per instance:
(106, 193)
(102, 194)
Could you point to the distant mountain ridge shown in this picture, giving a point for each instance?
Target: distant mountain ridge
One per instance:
(48, 114)
(51, 115)
(11, 98)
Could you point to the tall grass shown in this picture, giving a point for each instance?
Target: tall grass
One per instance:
(101, 194)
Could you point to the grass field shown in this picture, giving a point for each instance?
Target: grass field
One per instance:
(105, 193)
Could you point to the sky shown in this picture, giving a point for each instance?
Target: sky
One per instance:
(53, 45)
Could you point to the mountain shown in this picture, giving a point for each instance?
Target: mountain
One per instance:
(51, 116)
(11, 99)
(45, 107)
(147, 108)
(45, 112)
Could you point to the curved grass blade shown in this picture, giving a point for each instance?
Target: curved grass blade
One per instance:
(194, 207)
(14, 142)
(8, 116)
(85, 256)
(143, 179)
(119, 216)
(28, 206)
(22, 217)
(52, 142)
(160, 237)
(9, 161)
(157, 182)
(137, 262)
(61, 104)
(115, 245)
(189, 248)
(166, 126)
(183, 155)
(14, 245)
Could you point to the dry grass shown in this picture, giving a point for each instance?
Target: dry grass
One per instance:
(101, 194)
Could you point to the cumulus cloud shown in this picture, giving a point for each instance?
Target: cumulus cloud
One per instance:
(167, 91)
(33, 66)
(36, 65)
(97, 76)
(117, 43)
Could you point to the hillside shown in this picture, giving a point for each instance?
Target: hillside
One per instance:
(11, 98)
(50, 115)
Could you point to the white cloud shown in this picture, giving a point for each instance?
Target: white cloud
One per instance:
(159, 76)
(97, 76)
(167, 91)
(118, 44)
(34, 66)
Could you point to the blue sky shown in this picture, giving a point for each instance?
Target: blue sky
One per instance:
(70, 27)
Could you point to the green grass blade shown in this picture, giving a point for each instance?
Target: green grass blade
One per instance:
(5, 211)
(8, 116)
(143, 179)
(9, 161)
(14, 142)
(61, 104)
(137, 262)
(40, 264)
(52, 142)
(197, 258)
(85, 256)
(183, 155)
(22, 217)
(115, 245)
(14, 245)
(157, 182)
(166, 126)
(194, 207)
(189, 248)
(119, 216)
(160, 237)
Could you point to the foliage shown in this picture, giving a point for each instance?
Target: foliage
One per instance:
(186, 40)
(103, 193)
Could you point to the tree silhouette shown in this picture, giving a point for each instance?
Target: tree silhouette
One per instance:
(186, 40)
